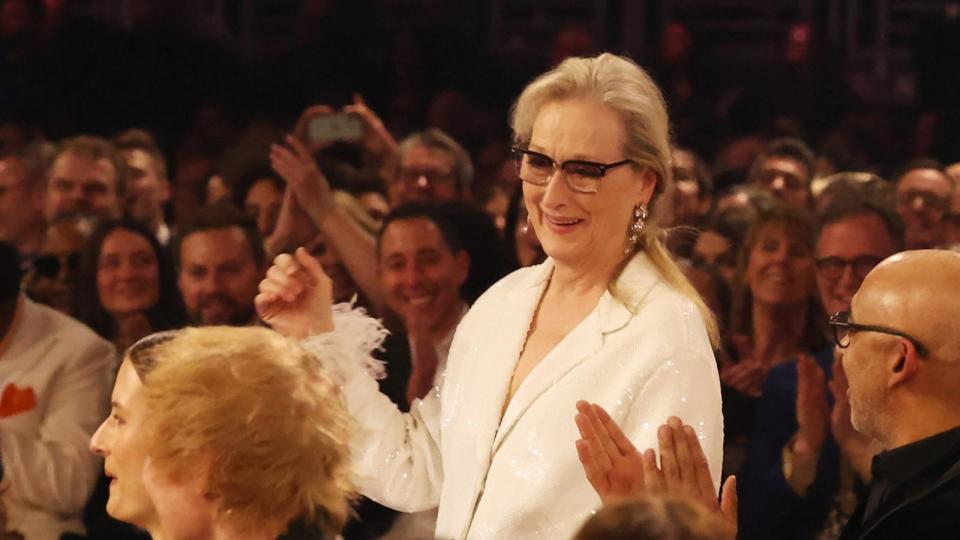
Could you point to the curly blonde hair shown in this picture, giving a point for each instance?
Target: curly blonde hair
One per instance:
(261, 407)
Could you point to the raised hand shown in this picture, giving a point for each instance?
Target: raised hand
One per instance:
(296, 297)
(376, 140)
(813, 418)
(301, 128)
(616, 469)
(296, 166)
(747, 376)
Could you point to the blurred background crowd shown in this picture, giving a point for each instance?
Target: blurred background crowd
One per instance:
(156, 154)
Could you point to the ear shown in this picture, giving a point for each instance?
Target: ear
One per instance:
(646, 186)
(462, 261)
(905, 365)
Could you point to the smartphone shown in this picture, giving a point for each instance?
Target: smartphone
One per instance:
(335, 127)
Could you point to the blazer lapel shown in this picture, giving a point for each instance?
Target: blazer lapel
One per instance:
(586, 340)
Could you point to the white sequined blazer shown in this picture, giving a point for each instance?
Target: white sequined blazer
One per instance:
(518, 476)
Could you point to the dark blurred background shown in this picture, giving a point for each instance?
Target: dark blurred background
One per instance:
(873, 80)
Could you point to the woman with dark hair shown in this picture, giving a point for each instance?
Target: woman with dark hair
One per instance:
(776, 316)
(126, 288)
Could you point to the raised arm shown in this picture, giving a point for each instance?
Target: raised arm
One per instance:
(396, 455)
(355, 245)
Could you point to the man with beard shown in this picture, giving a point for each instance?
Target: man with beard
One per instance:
(220, 261)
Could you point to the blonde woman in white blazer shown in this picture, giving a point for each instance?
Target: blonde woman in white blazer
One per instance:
(608, 318)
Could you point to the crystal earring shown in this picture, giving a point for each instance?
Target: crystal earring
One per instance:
(525, 226)
(639, 221)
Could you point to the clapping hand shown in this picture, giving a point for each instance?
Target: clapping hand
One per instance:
(813, 417)
(296, 297)
(616, 469)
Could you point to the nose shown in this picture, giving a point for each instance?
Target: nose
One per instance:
(423, 182)
(778, 183)
(918, 204)
(96, 442)
(556, 189)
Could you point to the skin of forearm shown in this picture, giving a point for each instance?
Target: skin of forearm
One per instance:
(357, 249)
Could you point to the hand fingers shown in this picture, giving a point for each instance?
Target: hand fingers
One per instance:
(299, 149)
(668, 457)
(701, 468)
(312, 266)
(266, 305)
(594, 439)
(618, 437)
(684, 456)
(282, 284)
(595, 475)
(652, 474)
(729, 500)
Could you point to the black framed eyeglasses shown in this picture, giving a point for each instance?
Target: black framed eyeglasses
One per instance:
(581, 176)
(833, 267)
(843, 327)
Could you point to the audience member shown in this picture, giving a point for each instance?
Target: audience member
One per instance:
(259, 192)
(87, 175)
(785, 169)
(803, 468)
(719, 242)
(225, 432)
(126, 287)
(22, 222)
(654, 517)
(53, 274)
(433, 167)
(55, 373)
(923, 201)
(775, 317)
(422, 267)
(899, 353)
(220, 261)
(693, 195)
(953, 220)
(147, 186)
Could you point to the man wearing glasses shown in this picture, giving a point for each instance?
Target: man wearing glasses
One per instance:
(799, 478)
(900, 349)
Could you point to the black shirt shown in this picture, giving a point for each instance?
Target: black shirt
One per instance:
(915, 492)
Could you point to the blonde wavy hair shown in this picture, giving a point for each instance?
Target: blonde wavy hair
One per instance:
(623, 86)
(261, 407)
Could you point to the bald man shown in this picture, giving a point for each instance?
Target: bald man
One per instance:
(901, 353)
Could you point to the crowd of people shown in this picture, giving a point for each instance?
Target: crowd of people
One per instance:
(602, 262)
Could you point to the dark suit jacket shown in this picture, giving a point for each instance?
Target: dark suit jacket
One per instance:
(769, 508)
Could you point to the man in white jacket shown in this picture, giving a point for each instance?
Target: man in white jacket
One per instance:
(54, 388)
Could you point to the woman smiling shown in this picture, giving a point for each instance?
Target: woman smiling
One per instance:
(607, 318)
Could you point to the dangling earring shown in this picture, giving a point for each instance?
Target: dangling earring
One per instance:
(633, 235)
(525, 226)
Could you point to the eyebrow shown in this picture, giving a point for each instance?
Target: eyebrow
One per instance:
(575, 157)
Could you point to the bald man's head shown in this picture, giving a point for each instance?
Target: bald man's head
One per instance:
(915, 294)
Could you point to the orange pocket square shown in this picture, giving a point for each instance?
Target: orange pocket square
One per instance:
(16, 400)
